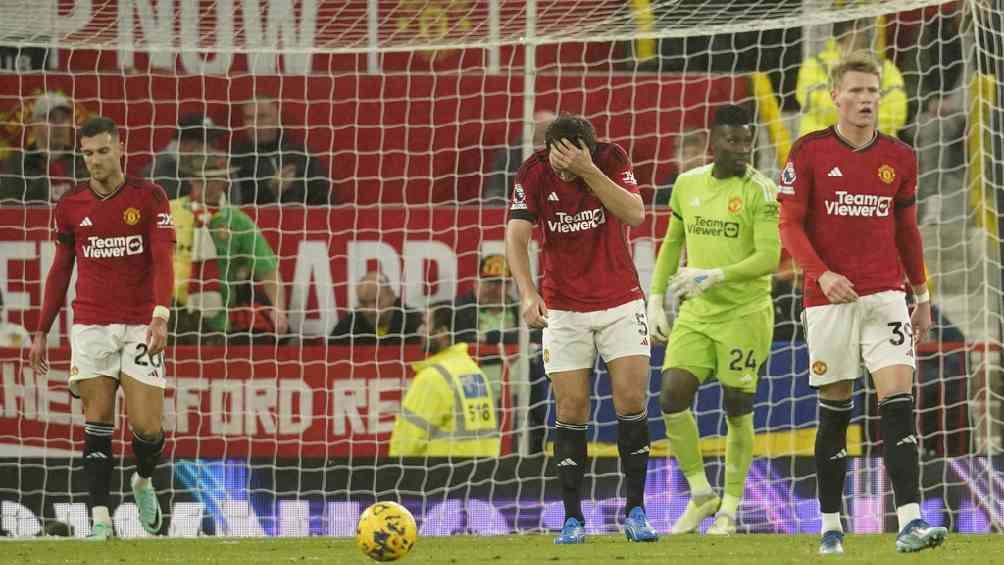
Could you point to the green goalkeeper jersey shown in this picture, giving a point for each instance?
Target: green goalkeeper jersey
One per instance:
(729, 224)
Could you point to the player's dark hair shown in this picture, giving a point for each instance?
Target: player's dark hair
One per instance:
(573, 128)
(98, 125)
(731, 115)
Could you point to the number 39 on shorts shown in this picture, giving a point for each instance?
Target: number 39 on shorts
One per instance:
(901, 332)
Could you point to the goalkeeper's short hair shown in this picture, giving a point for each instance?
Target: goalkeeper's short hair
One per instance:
(731, 115)
(573, 128)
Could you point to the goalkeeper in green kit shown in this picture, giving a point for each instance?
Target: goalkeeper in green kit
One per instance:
(726, 214)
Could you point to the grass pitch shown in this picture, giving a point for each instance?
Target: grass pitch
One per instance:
(608, 549)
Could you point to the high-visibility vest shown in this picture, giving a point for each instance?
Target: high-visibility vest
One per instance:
(813, 93)
(448, 411)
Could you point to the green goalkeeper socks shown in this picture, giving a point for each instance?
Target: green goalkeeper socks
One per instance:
(738, 455)
(684, 441)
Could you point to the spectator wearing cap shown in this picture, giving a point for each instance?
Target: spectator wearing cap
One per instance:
(272, 168)
(488, 314)
(174, 166)
(449, 410)
(813, 88)
(48, 167)
(12, 335)
(251, 304)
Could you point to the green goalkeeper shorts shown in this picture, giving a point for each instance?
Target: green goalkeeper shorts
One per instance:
(732, 350)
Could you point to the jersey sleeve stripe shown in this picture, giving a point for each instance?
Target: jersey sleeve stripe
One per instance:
(765, 186)
(523, 215)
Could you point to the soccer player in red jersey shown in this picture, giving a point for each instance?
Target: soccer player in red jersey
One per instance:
(849, 218)
(583, 196)
(118, 231)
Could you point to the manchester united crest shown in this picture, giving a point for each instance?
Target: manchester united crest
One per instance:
(131, 216)
(887, 174)
(819, 368)
(735, 205)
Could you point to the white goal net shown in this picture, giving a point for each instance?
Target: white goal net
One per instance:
(382, 136)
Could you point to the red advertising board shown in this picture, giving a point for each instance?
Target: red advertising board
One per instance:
(292, 401)
(289, 402)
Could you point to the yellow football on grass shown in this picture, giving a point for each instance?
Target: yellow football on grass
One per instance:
(386, 531)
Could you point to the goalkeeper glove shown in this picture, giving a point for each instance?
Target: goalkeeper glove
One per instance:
(690, 283)
(658, 325)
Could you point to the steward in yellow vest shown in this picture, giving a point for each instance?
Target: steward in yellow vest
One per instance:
(449, 409)
(813, 87)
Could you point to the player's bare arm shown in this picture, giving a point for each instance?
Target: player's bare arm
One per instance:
(517, 239)
(162, 263)
(163, 277)
(911, 252)
(575, 161)
(920, 318)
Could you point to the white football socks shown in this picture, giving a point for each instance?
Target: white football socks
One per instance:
(831, 522)
(907, 513)
(100, 515)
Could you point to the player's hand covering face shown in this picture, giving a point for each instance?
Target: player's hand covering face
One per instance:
(569, 159)
(857, 98)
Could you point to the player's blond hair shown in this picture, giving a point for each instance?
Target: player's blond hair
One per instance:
(859, 61)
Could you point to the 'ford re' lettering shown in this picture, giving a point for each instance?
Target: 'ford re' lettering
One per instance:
(107, 247)
(584, 220)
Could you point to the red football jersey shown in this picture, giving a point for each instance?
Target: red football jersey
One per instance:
(851, 196)
(587, 263)
(112, 238)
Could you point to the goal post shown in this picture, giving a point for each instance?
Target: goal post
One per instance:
(418, 113)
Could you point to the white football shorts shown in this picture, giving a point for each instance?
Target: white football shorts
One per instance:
(572, 339)
(111, 350)
(876, 329)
